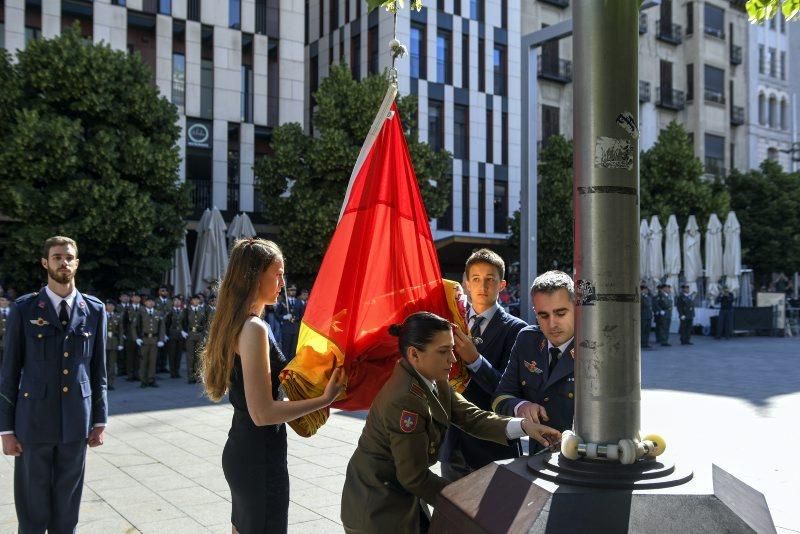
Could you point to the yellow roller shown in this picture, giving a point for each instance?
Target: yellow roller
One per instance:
(659, 445)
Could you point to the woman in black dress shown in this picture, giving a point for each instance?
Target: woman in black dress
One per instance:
(242, 358)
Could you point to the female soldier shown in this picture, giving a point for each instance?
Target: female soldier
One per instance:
(242, 358)
(388, 473)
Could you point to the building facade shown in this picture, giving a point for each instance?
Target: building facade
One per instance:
(233, 68)
(463, 66)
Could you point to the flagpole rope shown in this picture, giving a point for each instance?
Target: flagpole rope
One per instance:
(397, 49)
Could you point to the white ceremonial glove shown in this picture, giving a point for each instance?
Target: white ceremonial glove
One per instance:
(119, 348)
(139, 342)
(683, 317)
(166, 338)
(287, 316)
(160, 344)
(184, 334)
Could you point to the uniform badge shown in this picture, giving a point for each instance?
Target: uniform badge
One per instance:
(477, 340)
(408, 421)
(572, 352)
(531, 366)
(82, 305)
(39, 322)
(41, 305)
(542, 345)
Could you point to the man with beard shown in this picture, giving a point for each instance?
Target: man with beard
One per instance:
(53, 392)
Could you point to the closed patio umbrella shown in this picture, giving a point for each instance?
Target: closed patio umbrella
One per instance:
(713, 256)
(672, 254)
(732, 257)
(692, 262)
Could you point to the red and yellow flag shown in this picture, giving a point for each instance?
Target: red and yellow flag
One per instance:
(380, 266)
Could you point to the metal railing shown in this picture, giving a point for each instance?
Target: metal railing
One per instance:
(644, 91)
(737, 115)
(201, 193)
(715, 167)
(669, 32)
(642, 23)
(557, 3)
(713, 31)
(712, 95)
(736, 54)
(557, 71)
(669, 98)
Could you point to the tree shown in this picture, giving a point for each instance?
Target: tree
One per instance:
(88, 150)
(767, 204)
(555, 218)
(305, 179)
(762, 10)
(672, 181)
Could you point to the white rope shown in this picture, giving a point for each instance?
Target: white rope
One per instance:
(397, 50)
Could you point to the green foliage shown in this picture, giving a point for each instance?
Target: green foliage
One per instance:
(555, 219)
(305, 179)
(763, 10)
(767, 204)
(672, 181)
(88, 150)
(392, 6)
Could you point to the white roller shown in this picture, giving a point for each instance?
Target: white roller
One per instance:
(569, 445)
(591, 450)
(627, 451)
(612, 452)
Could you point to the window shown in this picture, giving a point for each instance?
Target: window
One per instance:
(714, 21)
(783, 65)
(500, 205)
(761, 61)
(715, 154)
(762, 110)
(464, 59)
(372, 50)
(206, 88)
(481, 205)
(481, 64)
(783, 21)
(504, 145)
(772, 23)
(333, 21)
(689, 18)
(550, 122)
(165, 7)
(32, 34)
(465, 203)
(193, 10)
(444, 60)
(457, 7)
(690, 81)
(2, 35)
(477, 9)
(784, 116)
(418, 51)
(178, 79)
(233, 166)
(772, 154)
(460, 132)
(773, 62)
(273, 82)
(261, 17)
(714, 84)
(235, 13)
(499, 69)
(247, 93)
(347, 11)
(489, 136)
(503, 13)
(445, 222)
(436, 124)
(773, 112)
(355, 56)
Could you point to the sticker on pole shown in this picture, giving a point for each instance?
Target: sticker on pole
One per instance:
(626, 121)
(610, 153)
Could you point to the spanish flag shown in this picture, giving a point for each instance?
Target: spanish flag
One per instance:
(381, 265)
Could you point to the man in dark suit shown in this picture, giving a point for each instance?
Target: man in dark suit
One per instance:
(538, 382)
(485, 353)
(53, 393)
(290, 326)
(685, 305)
(646, 308)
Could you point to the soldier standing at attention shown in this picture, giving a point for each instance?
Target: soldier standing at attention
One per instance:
(4, 311)
(646, 315)
(291, 322)
(388, 474)
(163, 305)
(663, 307)
(151, 338)
(173, 323)
(685, 306)
(194, 325)
(133, 318)
(124, 306)
(113, 342)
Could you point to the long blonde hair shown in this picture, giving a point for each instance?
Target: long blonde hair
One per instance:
(239, 286)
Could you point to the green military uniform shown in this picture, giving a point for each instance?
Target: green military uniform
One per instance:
(173, 323)
(152, 332)
(646, 309)
(3, 318)
(163, 306)
(663, 307)
(133, 323)
(114, 340)
(685, 306)
(194, 324)
(388, 473)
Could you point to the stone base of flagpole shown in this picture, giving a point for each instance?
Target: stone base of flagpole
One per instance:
(514, 496)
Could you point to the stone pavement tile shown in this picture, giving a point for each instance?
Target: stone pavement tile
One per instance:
(8, 513)
(300, 514)
(209, 513)
(334, 483)
(328, 460)
(88, 495)
(202, 468)
(212, 482)
(190, 496)
(313, 497)
(319, 526)
(116, 525)
(97, 511)
(298, 483)
(10, 528)
(331, 512)
(308, 471)
(6, 485)
(224, 494)
(125, 460)
(115, 483)
(181, 525)
(141, 512)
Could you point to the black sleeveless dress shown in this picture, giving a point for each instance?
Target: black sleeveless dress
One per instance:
(254, 459)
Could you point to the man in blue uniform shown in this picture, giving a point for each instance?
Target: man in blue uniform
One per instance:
(538, 382)
(53, 393)
(291, 322)
(485, 352)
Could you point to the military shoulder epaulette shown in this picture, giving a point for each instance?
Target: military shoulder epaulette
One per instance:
(93, 299)
(25, 298)
(416, 389)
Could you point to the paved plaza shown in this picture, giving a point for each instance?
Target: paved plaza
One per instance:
(734, 402)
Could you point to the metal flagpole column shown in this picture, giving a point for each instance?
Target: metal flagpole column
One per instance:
(606, 193)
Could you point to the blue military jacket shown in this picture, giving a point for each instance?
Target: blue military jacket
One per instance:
(527, 378)
(53, 379)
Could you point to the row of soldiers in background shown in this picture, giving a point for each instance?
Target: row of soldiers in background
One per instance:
(659, 307)
(149, 335)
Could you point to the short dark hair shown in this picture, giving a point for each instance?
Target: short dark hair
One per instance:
(552, 281)
(484, 255)
(57, 241)
(418, 330)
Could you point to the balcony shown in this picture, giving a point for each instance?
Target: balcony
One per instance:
(642, 23)
(668, 32)
(669, 98)
(201, 194)
(713, 31)
(559, 70)
(558, 3)
(644, 91)
(736, 55)
(715, 167)
(714, 96)
(737, 115)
